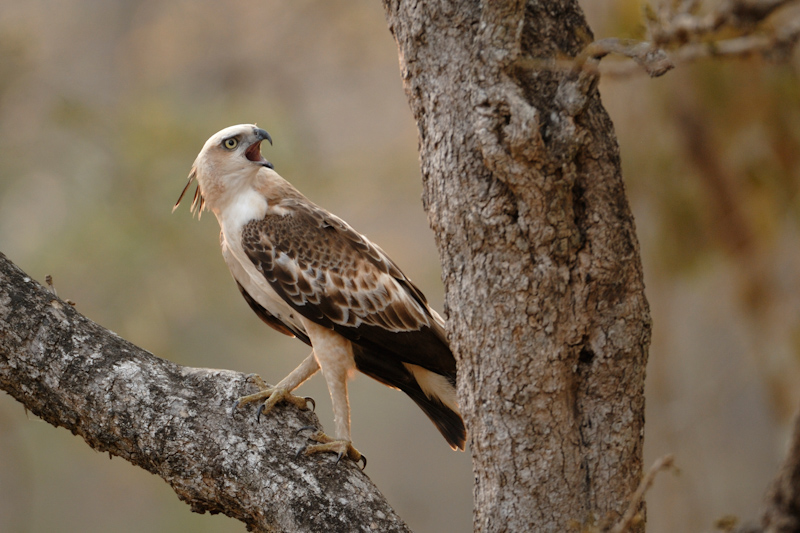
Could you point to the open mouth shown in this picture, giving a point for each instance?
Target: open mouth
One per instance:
(254, 153)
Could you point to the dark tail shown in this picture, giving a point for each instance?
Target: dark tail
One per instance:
(391, 372)
(448, 422)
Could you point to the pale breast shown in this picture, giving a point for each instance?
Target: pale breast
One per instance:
(245, 272)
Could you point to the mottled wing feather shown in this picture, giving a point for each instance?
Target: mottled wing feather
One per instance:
(334, 276)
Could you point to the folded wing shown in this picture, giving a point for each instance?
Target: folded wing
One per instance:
(336, 277)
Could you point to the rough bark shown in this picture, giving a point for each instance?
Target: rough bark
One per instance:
(781, 508)
(176, 421)
(544, 290)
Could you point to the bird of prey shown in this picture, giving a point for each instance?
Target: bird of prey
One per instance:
(308, 274)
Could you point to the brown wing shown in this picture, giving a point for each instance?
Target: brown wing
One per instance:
(336, 277)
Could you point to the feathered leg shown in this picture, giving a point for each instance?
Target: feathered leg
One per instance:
(335, 357)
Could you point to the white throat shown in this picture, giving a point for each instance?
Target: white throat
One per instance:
(248, 204)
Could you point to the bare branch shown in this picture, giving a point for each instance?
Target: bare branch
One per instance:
(676, 34)
(654, 60)
(175, 421)
(630, 517)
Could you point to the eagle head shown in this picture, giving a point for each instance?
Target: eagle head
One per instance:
(229, 159)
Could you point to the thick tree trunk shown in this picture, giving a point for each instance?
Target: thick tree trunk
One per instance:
(176, 422)
(544, 291)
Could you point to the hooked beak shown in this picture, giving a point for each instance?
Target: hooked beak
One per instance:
(262, 134)
(253, 153)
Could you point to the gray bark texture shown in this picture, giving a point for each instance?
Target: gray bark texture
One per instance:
(544, 290)
(781, 508)
(176, 422)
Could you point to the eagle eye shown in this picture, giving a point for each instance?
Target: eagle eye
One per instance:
(230, 143)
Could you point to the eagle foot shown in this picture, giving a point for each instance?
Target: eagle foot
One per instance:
(342, 448)
(271, 396)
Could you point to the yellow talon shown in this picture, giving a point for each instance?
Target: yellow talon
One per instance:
(271, 396)
(340, 447)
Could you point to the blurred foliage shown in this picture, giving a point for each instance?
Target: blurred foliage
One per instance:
(104, 105)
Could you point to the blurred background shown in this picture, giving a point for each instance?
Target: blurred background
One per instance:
(104, 105)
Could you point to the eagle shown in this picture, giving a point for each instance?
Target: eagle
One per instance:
(308, 274)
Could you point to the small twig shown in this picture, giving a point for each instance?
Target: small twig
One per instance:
(632, 512)
(688, 6)
(750, 12)
(776, 45)
(680, 28)
(670, 27)
(653, 59)
(49, 280)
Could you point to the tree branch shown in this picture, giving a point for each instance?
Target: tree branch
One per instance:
(633, 516)
(677, 34)
(175, 421)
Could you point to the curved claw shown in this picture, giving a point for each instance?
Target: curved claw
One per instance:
(300, 452)
(305, 428)
(363, 459)
(235, 407)
(313, 403)
(261, 409)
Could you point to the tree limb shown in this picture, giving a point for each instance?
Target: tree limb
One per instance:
(677, 34)
(175, 421)
(781, 508)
